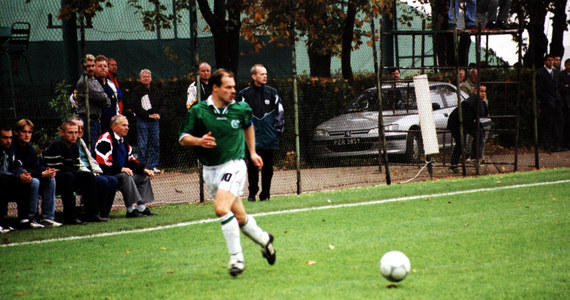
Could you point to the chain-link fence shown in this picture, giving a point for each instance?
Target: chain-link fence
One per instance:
(337, 119)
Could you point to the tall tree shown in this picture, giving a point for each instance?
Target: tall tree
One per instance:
(327, 29)
(533, 14)
(347, 38)
(223, 21)
(225, 24)
(559, 25)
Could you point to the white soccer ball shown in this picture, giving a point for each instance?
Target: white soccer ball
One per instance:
(394, 266)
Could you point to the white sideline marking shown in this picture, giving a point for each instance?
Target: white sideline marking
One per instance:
(291, 211)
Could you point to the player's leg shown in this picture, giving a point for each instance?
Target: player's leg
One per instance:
(249, 227)
(218, 180)
(230, 229)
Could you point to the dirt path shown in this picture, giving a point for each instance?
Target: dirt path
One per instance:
(177, 187)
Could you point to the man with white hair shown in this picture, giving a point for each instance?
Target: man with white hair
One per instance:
(147, 104)
(115, 157)
(205, 88)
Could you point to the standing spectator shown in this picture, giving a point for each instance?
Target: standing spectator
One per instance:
(63, 154)
(461, 75)
(268, 123)
(565, 91)
(43, 178)
(470, 11)
(469, 113)
(395, 74)
(115, 157)
(14, 182)
(205, 87)
(147, 105)
(98, 100)
(557, 62)
(548, 91)
(106, 185)
(394, 96)
(113, 68)
(101, 72)
(490, 7)
(220, 128)
(470, 85)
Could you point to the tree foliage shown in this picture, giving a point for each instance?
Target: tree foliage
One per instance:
(225, 24)
(157, 16)
(87, 7)
(321, 23)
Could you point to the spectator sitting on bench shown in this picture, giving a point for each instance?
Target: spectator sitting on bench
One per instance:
(43, 178)
(14, 182)
(106, 184)
(63, 154)
(115, 156)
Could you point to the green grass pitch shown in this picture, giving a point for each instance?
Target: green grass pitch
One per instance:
(483, 242)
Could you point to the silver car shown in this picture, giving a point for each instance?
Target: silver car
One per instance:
(354, 132)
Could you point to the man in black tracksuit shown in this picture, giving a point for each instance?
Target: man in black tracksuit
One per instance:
(469, 113)
(268, 123)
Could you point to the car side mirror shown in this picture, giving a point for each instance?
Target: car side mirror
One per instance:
(435, 106)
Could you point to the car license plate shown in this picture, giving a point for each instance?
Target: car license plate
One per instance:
(349, 141)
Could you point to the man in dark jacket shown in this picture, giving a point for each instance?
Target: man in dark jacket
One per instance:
(147, 104)
(14, 181)
(548, 91)
(43, 182)
(63, 154)
(101, 73)
(98, 100)
(565, 91)
(115, 157)
(268, 121)
(469, 113)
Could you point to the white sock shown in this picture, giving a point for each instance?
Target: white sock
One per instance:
(253, 231)
(230, 229)
(130, 208)
(141, 207)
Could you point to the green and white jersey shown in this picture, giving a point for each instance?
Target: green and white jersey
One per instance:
(226, 125)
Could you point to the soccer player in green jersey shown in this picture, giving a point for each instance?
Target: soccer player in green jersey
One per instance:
(217, 128)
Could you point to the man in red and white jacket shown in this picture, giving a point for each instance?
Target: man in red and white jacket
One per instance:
(115, 156)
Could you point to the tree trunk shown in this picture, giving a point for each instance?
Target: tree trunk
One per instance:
(319, 63)
(225, 33)
(538, 42)
(443, 42)
(558, 28)
(347, 37)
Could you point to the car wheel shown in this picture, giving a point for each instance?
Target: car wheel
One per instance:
(414, 147)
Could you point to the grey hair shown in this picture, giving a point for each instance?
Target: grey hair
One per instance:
(145, 71)
(254, 68)
(115, 119)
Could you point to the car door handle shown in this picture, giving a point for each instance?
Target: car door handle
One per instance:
(446, 115)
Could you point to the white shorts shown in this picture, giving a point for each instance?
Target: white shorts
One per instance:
(229, 176)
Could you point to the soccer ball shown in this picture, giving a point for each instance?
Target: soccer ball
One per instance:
(394, 266)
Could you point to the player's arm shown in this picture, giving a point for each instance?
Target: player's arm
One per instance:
(249, 134)
(206, 141)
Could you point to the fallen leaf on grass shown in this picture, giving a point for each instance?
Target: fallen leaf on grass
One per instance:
(310, 262)
(162, 248)
(127, 252)
(331, 247)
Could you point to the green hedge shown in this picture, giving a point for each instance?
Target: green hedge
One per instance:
(320, 100)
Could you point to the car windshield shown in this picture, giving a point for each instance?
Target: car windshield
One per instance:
(394, 98)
